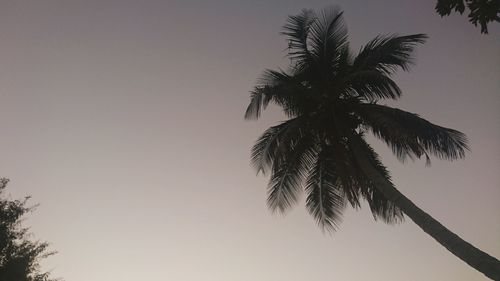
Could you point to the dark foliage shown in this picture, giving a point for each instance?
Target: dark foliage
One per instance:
(481, 12)
(19, 256)
(331, 96)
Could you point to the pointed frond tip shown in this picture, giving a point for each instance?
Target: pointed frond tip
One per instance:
(325, 199)
(265, 148)
(273, 85)
(328, 36)
(297, 31)
(276, 141)
(256, 105)
(388, 53)
(411, 136)
(288, 172)
(316, 39)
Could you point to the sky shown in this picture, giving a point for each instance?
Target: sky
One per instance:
(124, 121)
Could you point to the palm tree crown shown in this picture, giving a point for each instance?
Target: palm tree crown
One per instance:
(332, 100)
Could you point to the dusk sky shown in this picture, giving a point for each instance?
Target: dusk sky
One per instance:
(124, 120)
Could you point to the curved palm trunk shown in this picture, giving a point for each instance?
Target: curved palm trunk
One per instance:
(476, 258)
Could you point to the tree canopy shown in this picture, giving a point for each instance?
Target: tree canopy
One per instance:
(481, 12)
(20, 256)
(332, 98)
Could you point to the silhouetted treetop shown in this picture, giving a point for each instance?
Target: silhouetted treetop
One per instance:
(19, 255)
(481, 12)
(332, 99)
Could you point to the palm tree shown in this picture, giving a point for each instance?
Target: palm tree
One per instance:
(331, 99)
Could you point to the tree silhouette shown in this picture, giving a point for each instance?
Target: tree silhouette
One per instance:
(480, 11)
(19, 256)
(331, 99)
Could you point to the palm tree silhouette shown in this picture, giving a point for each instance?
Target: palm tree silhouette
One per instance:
(331, 100)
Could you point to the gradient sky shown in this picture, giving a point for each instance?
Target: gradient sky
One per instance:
(124, 120)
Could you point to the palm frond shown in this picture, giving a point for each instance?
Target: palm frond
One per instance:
(258, 101)
(345, 61)
(328, 37)
(381, 207)
(371, 85)
(330, 96)
(411, 136)
(275, 140)
(297, 31)
(271, 83)
(325, 200)
(336, 144)
(277, 85)
(388, 53)
(288, 172)
(288, 91)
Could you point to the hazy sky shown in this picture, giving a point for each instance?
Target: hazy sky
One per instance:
(124, 120)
